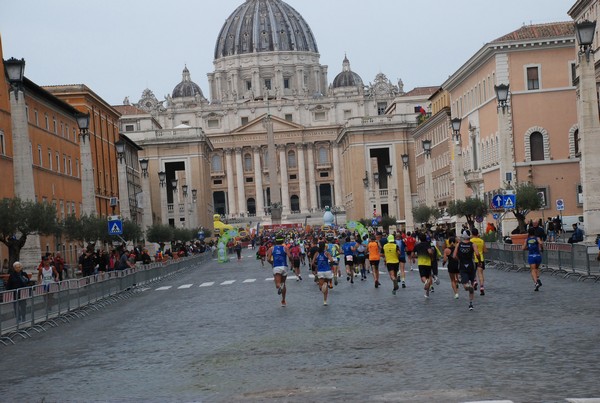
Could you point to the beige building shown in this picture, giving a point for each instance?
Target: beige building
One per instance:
(331, 137)
(533, 137)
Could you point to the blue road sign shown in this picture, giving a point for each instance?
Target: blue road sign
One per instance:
(497, 201)
(115, 227)
(374, 222)
(495, 216)
(509, 202)
(560, 204)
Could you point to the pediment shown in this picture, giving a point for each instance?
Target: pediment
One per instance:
(257, 126)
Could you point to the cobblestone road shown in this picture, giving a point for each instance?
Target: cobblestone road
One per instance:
(217, 333)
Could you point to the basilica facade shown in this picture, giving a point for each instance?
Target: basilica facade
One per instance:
(338, 144)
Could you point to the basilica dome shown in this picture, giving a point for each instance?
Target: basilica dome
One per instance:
(187, 88)
(347, 78)
(264, 26)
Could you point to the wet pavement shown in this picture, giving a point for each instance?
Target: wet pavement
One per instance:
(218, 334)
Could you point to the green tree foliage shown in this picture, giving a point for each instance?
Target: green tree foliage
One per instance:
(85, 230)
(183, 234)
(132, 231)
(159, 233)
(19, 219)
(528, 200)
(470, 208)
(423, 214)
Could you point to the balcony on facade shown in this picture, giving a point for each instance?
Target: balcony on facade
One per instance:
(375, 120)
(472, 177)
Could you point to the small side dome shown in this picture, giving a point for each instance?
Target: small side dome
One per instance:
(347, 78)
(187, 88)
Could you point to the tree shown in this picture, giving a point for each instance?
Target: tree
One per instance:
(528, 200)
(159, 233)
(131, 231)
(19, 219)
(423, 214)
(183, 234)
(470, 208)
(85, 230)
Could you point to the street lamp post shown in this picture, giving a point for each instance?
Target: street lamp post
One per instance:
(589, 129)
(429, 194)
(184, 190)
(194, 209)
(124, 205)
(504, 130)
(459, 189)
(88, 189)
(408, 216)
(175, 195)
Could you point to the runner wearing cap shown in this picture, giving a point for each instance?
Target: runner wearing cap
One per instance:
(391, 255)
(280, 255)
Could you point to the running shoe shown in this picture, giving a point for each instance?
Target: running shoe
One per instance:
(394, 291)
(539, 282)
(330, 286)
(347, 278)
(280, 289)
(436, 280)
(335, 281)
(431, 289)
(475, 285)
(377, 284)
(352, 280)
(324, 303)
(470, 306)
(283, 304)
(537, 287)
(300, 278)
(403, 284)
(426, 293)
(481, 291)
(456, 296)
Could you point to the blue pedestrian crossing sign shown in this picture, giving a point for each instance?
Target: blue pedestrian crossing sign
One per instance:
(497, 201)
(509, 202)
(115, 227)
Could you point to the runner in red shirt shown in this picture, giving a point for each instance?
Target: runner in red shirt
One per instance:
(262, 254)
(410, 241)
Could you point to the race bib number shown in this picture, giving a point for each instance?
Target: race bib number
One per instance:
(349, 258)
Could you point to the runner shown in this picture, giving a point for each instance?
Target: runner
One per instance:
(374, 258)
(424, 254)
(452, 265)
(391, 256)
(434, 263)
(410, 242)
(312, 251)
(361, 252)
(464, 251)
(262, 253)
(534, 246)
(334, 250)
(479, 260)
(402, 258)
(322, 261)
(279, 255)
(303, 252)
(295, 257)
(348, 248)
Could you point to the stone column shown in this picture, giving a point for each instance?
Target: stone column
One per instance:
(260, 201)
(147, 215)
(176, 206)
(505, 146)
(311, 176)
(240, 181)
(302, 179)
(337, 175)
(24, 185)
(123, 189)
(88, 189)
(408, 216)
(164, 207)
(429, 194)
(230, 188)
(589, 133)
(285, 193)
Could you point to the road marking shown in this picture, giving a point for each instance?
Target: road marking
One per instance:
(209, 284)
(164, 288)
(228, 282)
(596, 400)
(185, 286)
(311, 276)
(269, 279)
(145, 289)
(292, 277)
(250, 280)
(492, 401)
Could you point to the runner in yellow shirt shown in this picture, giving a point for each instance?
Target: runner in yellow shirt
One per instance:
(479, 260)
(391, 255)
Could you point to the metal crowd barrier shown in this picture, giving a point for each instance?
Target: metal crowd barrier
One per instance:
(567, 260)
(33, 309)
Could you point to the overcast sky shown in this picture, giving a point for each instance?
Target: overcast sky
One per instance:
(120, 47)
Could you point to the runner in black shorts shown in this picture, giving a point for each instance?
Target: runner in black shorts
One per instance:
(464, 252)
(452, 265)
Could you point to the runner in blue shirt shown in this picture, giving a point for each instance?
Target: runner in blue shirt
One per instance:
(348, 248)
(534, 246)
(280, 255)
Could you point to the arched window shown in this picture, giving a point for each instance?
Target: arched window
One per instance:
(295, 203)
(576, 140)
(536, 145)
(323, 156)
(247, 162)
(217, 163)
(291, 159)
